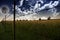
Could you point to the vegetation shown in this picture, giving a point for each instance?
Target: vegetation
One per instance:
(6, 31)
(31, 30)
(39, 18)
(49, 18)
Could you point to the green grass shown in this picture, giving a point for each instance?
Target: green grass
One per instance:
(31, 30)
(6, 31)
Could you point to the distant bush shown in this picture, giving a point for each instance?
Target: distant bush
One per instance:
(49, 18)
(39, 18)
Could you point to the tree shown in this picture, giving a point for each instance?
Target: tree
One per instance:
(39, 18)
(49, 18)
(4, 10)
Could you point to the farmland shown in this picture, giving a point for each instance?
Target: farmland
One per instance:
(31, 30)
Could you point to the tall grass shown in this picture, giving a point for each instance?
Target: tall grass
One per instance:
(38, 30)
(31, 30)
(6, 31)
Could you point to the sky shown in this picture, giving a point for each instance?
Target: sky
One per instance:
(8, 4)
(31, 9)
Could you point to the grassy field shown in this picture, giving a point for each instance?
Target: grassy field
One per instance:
(6, 31)
(31, 30)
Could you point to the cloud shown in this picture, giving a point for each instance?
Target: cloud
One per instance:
(21, 2)
(32, 15)
(7, 14)
(54, 11)
(41, 1)
(49, 5)
(28, 17)
(37, 5)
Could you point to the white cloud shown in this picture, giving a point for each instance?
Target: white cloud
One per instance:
(48, 5)
(41, 1)
(36, 5)
(18, 9)
(55, 3)
(31, 15)
(54, 12)
(28, 17)
(21, 2)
